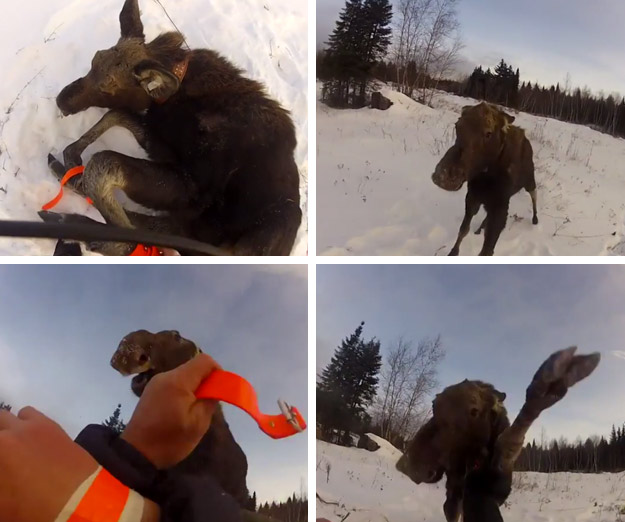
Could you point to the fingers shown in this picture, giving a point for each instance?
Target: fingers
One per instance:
(7, 420)
(193, 372)
(30, 413)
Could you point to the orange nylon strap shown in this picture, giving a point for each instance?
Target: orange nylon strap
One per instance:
(68, 175)
(141, 250)
(104, 501)
(234, 389)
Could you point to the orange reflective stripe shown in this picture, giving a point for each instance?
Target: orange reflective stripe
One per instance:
(234, 389)
(68, 175)
(104, 501)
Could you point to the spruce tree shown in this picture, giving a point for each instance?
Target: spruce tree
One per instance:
(5, 406)
(348, 384)
(114, 421)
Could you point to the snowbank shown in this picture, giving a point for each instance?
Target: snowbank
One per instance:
(367, 485)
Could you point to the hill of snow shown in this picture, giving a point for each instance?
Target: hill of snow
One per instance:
(368, 487)
(49, 43)
(375, 195)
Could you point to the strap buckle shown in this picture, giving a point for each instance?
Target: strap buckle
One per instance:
(291, 414)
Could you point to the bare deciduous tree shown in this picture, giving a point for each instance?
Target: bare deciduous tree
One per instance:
(407, 379)
(427, 44)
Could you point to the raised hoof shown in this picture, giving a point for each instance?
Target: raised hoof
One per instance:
(534, 220)
(557, 374)
(478, 231)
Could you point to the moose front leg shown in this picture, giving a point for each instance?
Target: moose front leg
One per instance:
(72, 155)
(555, 376)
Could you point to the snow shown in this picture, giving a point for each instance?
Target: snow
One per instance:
(366, 485)
(375, 195)
(49, 43)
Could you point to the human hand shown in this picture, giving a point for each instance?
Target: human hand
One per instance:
(169, 420)
(40, 467)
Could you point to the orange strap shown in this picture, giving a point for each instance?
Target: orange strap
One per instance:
(141, 250)
(234, 389)
(68, 175)
(104, 501)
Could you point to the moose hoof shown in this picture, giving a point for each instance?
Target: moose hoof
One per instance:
(454, 252)
(534, 220)
(557, 374)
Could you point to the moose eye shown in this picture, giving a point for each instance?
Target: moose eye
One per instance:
(488, 134)
(143, 358)
(474, 412)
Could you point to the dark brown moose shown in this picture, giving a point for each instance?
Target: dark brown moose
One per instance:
(495, 159)
(470, 440)
(221, 163)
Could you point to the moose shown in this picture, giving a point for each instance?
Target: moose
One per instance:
(495, 158)
(145, 354)
(470, 440)
(221, 167)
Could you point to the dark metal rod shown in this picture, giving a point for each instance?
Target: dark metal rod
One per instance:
(89, 232)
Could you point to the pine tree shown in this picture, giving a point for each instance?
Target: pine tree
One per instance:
(348, 384)
(360, 38)
(5, 406)
(114, 421)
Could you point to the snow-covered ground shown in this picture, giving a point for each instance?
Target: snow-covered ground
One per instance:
(375, 195)
(368, 487)
(49, 43)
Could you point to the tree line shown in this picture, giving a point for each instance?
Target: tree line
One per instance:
(593, 455)
(502, 86)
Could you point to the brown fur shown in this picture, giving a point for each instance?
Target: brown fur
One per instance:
(217, 454)
(221, 150)
(496, 160)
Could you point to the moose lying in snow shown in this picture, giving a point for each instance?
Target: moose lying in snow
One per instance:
(495, 159)
(471, 441)
(222, 165)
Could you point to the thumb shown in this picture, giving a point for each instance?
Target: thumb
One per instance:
(193, 372)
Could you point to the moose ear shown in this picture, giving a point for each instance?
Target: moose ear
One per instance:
(130, 20)
(157, 81)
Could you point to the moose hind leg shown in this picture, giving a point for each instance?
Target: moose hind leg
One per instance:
(274, 234)
(154, 185)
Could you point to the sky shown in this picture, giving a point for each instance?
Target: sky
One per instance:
(498, 323)
(545, 39)
(60, 324)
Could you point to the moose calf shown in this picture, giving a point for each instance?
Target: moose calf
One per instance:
(495, 159)
(221, 151)
(471, 441)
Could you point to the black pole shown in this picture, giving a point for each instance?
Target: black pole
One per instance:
(95, 232)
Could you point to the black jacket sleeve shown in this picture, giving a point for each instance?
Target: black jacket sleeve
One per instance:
(181, 497)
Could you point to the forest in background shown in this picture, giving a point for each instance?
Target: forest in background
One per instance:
(416, 50)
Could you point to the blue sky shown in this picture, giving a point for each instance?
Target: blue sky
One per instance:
(497, 322)
(546, 39)
(60, 324)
